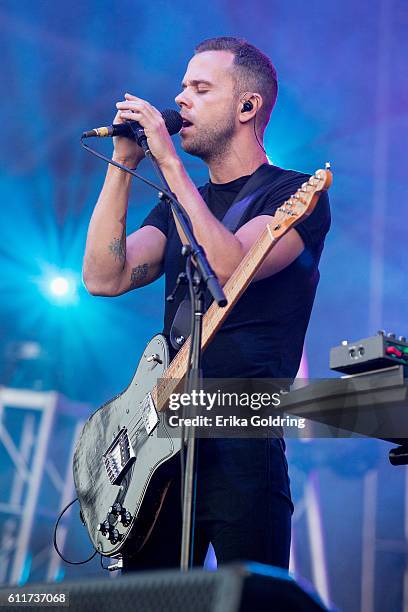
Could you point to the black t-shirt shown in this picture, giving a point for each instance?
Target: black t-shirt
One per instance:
(264, 333)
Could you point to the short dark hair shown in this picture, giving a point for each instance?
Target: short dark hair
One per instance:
(254, 71)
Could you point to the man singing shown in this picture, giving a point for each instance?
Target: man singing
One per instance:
(228, 92)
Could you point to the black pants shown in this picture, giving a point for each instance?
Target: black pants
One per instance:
(243, 507)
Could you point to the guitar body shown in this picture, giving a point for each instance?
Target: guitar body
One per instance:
(141, 486)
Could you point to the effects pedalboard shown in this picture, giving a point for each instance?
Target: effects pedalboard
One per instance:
(380, 351)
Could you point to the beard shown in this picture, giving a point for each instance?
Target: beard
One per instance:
(211, 143)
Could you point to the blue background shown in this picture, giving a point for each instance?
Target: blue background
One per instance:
(343, 97)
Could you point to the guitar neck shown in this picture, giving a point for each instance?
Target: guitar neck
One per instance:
(215, 316)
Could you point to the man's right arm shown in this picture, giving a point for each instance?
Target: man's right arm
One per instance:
(114, 263)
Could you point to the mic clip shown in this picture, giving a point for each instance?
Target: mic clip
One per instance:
(140, 136)
(181, 280)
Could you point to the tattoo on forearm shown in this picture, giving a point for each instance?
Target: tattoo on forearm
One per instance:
(138, 274)
(117, 249)
(118, 245)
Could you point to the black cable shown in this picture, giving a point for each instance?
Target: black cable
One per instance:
(255, 116)
(55, 538)
(257, 139)
(125, 168)
(256, 135)
(131, 171)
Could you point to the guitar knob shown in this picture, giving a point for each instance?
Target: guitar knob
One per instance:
(116, 509)
(114, 536)
(104, 527)
(125, 517)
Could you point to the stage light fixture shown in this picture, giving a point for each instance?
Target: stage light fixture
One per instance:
(59, 286)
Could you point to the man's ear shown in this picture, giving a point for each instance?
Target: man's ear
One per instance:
(248, 106)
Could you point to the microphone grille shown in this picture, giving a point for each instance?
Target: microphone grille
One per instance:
(173, 120)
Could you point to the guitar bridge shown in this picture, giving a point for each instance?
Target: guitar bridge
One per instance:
(119, 456)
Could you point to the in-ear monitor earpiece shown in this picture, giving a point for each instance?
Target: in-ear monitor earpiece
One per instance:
(247, 106)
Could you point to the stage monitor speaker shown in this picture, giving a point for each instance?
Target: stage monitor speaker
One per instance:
(247, 587)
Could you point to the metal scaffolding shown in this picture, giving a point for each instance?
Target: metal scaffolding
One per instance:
(29, 423)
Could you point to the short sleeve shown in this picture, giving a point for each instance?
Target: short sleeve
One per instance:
(158, 217)
(314, 228)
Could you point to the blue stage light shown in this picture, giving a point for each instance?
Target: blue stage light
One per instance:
(59, 286)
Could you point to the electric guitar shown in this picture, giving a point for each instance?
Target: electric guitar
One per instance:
(125, 457)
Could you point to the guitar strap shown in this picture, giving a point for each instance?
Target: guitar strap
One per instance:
(256, 186)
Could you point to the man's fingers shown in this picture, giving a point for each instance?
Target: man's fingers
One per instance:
(139, 105)
(127, 114)
(140, 110)
(134, 99)
(131, 104)
(129, 96)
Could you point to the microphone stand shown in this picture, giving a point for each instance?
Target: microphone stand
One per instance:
(202, 279)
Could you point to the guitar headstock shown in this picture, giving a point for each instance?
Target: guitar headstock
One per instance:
(301, 204)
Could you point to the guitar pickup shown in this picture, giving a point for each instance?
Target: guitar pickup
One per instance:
(149, 414)
(119, 456)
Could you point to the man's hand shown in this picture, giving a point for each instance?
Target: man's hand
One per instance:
(126, 150)
(158, 137)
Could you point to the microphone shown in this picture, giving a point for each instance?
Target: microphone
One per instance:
(133, 129)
